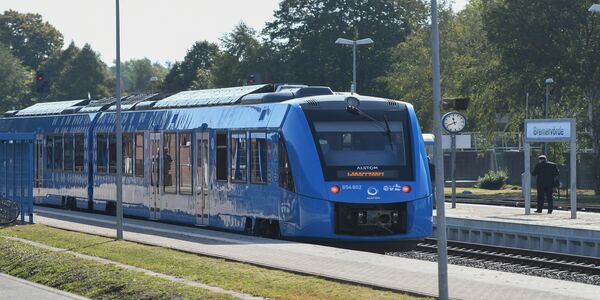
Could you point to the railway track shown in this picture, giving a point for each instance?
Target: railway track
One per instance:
(554, 262)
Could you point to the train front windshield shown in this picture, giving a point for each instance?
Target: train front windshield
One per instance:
(372, 145)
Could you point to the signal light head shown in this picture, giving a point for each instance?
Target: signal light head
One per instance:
(334, 189)
(406, 189)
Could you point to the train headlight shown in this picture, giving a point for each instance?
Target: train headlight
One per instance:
(334, 189)
(406, 188)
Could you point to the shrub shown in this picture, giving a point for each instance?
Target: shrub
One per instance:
(492, 180)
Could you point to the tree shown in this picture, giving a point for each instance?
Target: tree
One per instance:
(15, 81)
(304, 31)
(201, 56)
(82, 74)
(538, 40)
(28, 37)
(242, 55)
(469, 67)
(141, 75)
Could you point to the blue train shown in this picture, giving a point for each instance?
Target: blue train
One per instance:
(298, 162)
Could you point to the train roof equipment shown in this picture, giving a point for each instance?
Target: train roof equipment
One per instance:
(49, 108)
(252, 94)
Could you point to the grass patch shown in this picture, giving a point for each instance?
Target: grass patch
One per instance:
(217, 272)
(88, 278)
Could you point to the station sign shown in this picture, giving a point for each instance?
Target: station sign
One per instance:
(549, 130)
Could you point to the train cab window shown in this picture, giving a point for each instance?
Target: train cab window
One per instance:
(286, 180)
(49, 155)
(69, 157)
(112, 153)
(239, 157)
(127, 154)
(170, 163)
(58, 153)
(222, 156)
(101, 153)
(185, 163)
(139, 154)
(258, 157)
(79, 152)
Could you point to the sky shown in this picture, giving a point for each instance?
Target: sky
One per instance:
(159, 30)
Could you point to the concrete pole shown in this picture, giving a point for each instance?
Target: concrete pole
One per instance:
(439, 159)
(119, 179)
(353, 87)
(573, 170)
(526, 184)
(453, 166)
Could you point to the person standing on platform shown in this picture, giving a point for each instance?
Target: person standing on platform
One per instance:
(547, 178)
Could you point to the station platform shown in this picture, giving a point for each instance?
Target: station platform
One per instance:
(376, 270)
(510, 227)
(16, 288)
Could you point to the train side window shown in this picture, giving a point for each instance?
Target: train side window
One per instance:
(139, 154)
(286, 180)
(58, 153)
(49, 155)
(170, 163)
(185, 163)
(79, 152)
(239, 157)
(222, 156)
(258, 157)
(127, 154)
(69, 158)
(101, 153)
(112, 153)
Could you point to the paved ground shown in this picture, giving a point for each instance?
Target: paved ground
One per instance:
(347, 265)
(12, 288)
(558, 218)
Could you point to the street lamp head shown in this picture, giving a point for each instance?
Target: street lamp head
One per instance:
(595, 8)
(341, 41)
(364, 41)
(549, 81)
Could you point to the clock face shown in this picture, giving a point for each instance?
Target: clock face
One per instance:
(454, 122)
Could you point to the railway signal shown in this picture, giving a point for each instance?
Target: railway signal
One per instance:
(41, 82)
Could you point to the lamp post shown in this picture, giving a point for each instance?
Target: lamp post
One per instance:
(438, 157)
(353, 43)
(119, 178)
(548, 82)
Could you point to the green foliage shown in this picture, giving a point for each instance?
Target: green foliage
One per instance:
(241, 56)
(79, 72)
(201, 56)
(15, 80)
(28, 37)
(492, 180)
(304, 31)
(141, 75)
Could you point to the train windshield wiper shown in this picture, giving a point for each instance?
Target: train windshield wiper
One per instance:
(386, 129)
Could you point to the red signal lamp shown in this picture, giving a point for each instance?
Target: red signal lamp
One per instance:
(406, 188)
(334, 189)
(39, 78)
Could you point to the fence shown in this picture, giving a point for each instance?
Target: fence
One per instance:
(16, 171)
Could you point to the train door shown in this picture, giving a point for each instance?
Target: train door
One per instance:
(154, 176)
(39, 164)
(202, 179)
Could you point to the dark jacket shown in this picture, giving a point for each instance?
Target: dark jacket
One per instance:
(547, 174)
